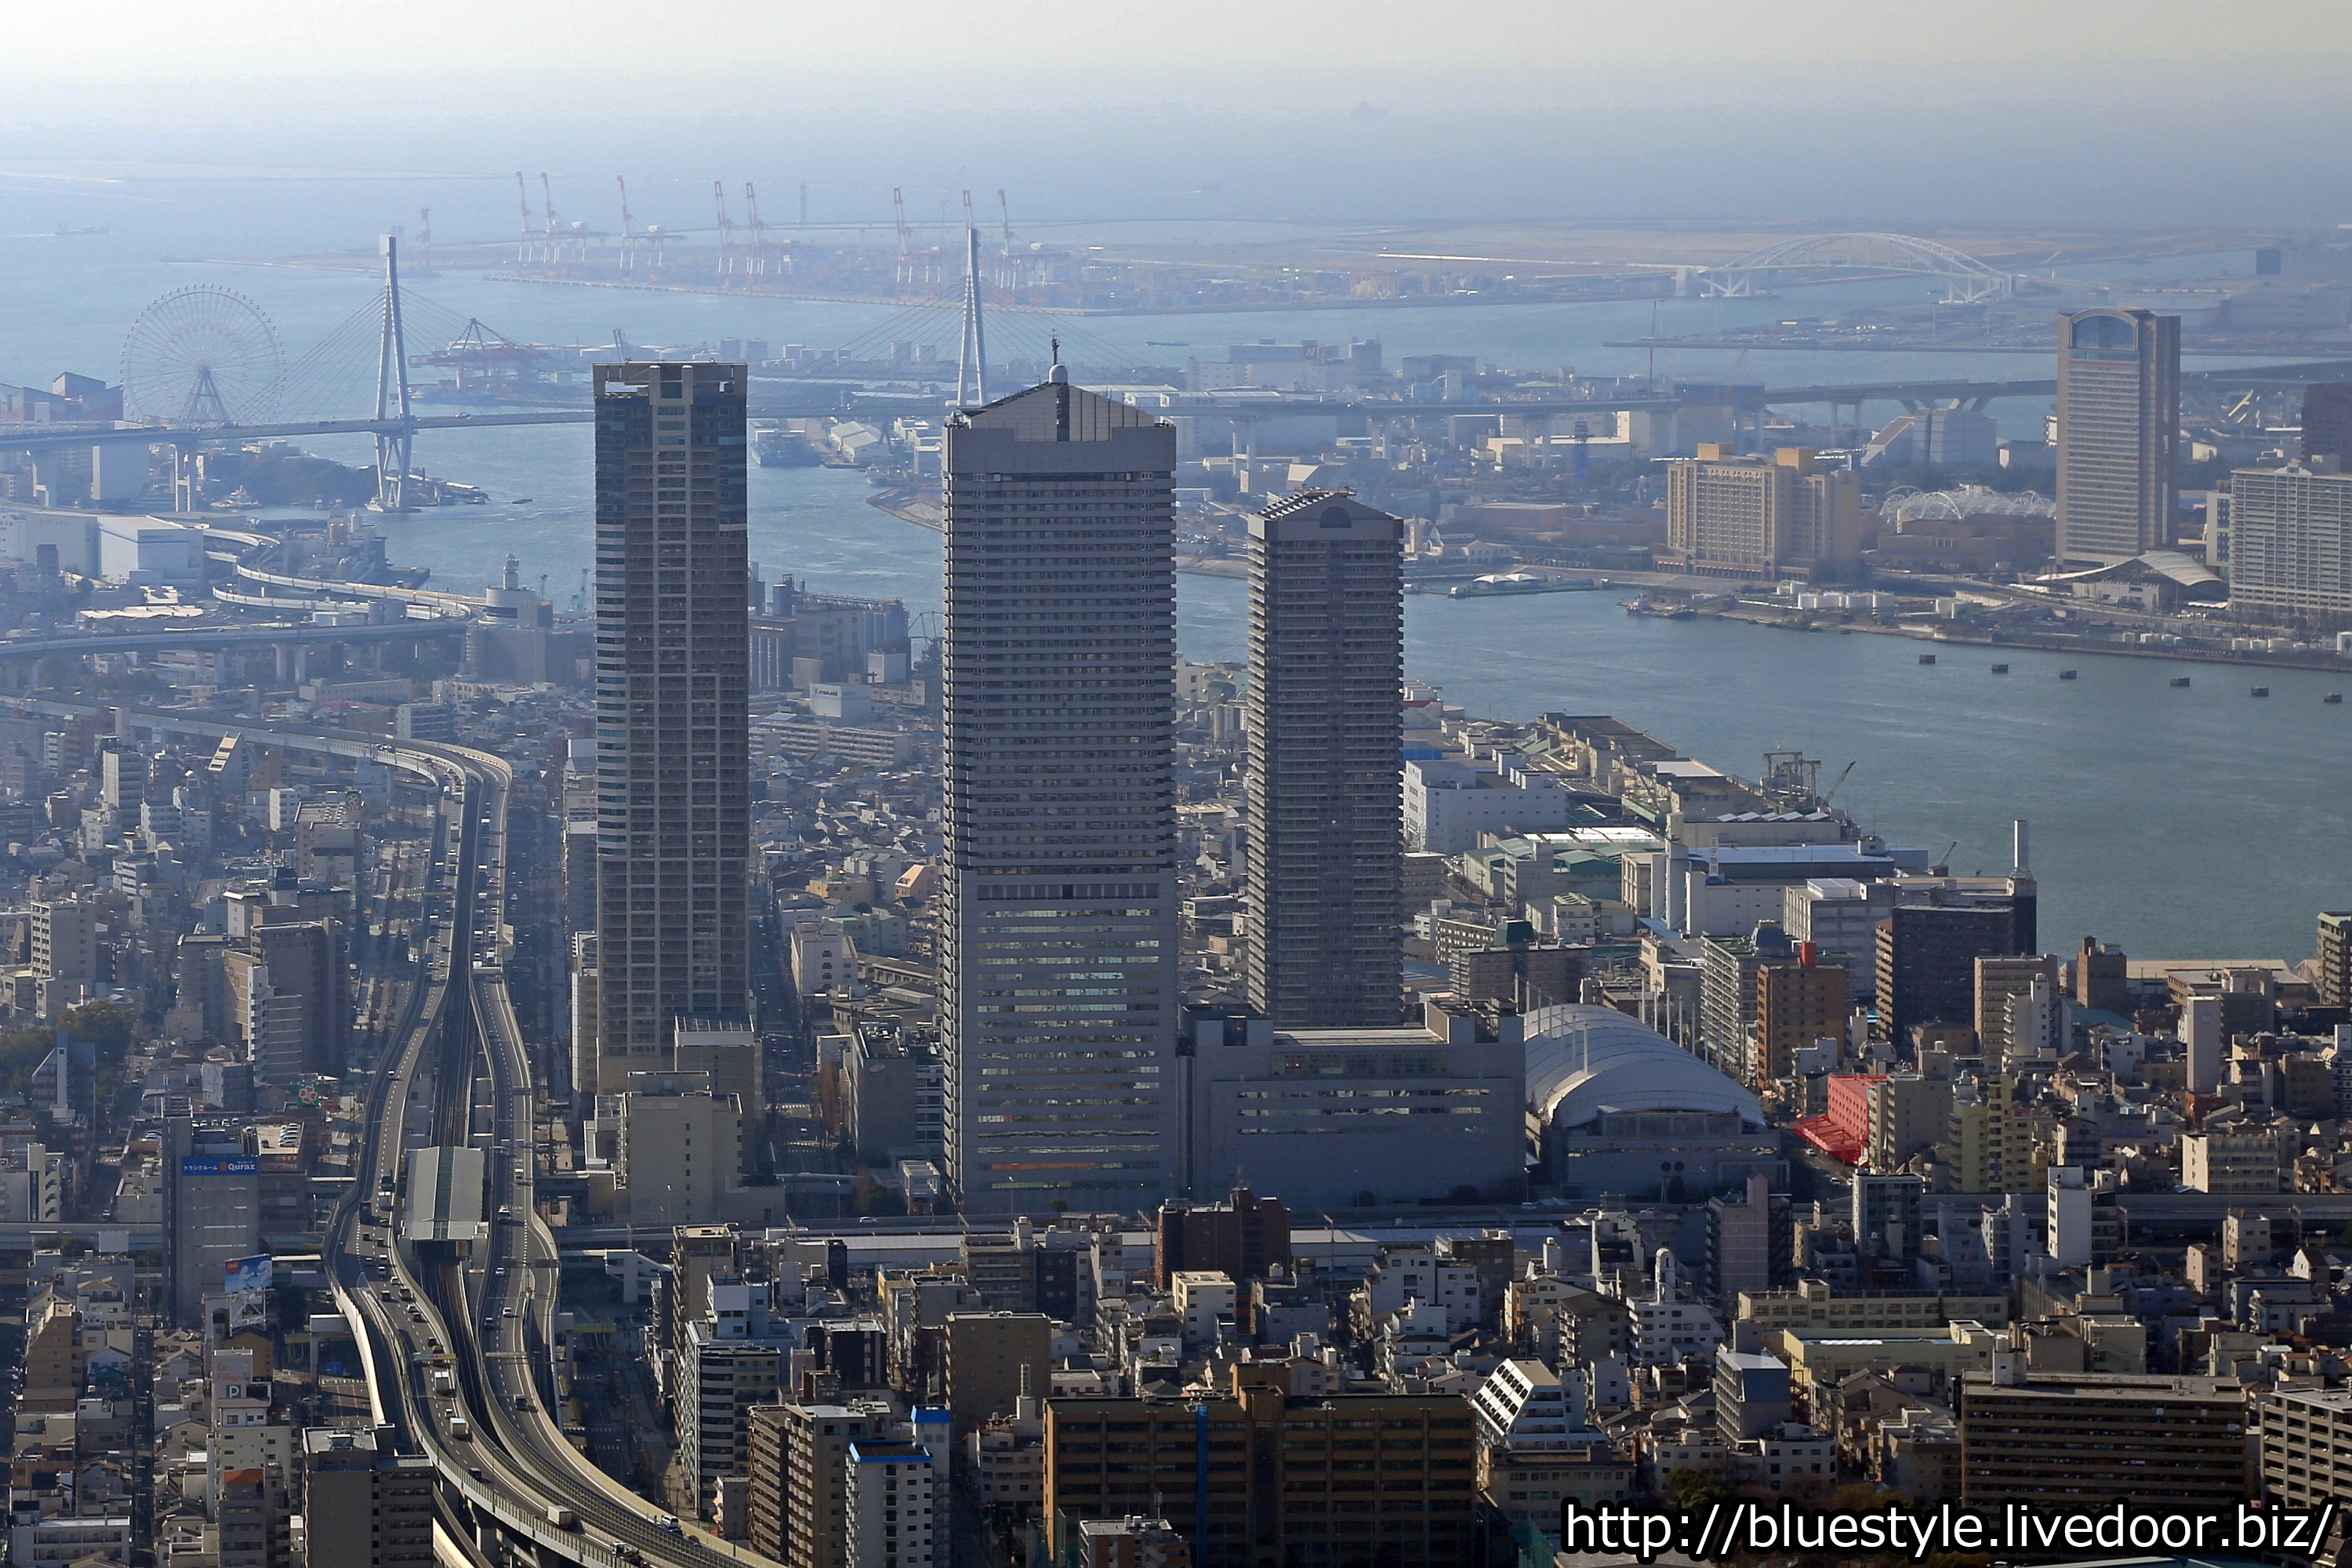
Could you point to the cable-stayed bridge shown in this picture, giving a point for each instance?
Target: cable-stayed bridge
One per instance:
(202, 367)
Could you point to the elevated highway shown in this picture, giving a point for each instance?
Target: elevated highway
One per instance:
(458, 1350)
(776, 399)
(168, 639)
(432, 599)
(214, 435)
(499, 1308)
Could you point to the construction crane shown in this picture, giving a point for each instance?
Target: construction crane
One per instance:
(726, 233)
(906, 240)
(628, 228)
(758, 258)
(553, 252)
(1841, 777)
(522, 240)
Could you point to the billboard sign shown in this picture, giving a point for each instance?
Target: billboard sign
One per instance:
(249, 1274)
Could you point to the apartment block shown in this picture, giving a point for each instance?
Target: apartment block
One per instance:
(799, 1484)
(988, 1353)
(2291, 543)
(895, 1505)
(1796, 1005)
(2181, 1439)
(364, 1505)
(2305, 1447)
(1998, 979)
(2335, 958)
(2246, 1162)
(681, 1146)
(1338, 1479)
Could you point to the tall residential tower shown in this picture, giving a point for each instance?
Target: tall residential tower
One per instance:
(2119, 427)
(1057, 935)
(1326, 689)
(673, 763)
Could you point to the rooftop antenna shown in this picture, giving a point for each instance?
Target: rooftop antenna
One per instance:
(971, 351)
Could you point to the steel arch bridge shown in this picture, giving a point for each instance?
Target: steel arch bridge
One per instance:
(1966, 279)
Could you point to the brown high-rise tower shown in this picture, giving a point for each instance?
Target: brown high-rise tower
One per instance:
(673, 769)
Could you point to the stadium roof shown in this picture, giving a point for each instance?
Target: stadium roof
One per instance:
(1583, 1061)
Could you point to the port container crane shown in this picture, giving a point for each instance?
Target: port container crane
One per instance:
(553, 250)
(906, 240)
(522, 240)
(758, 258)
(628, 227)
(726, 233)
(1004, 211)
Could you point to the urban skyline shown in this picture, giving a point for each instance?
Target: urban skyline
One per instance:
(1521, 809)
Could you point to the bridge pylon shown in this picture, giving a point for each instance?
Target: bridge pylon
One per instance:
(393, 446)
(971, 353)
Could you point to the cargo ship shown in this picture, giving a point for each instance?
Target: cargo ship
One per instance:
(1520, 582)
(780, 448)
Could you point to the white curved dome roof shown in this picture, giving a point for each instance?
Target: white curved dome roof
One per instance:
(1585, 1059)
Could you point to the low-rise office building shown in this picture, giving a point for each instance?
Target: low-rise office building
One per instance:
(1323, 1116)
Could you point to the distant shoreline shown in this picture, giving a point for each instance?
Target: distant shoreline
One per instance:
(1946, 635)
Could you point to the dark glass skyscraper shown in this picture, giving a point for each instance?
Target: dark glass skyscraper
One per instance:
(673, 767)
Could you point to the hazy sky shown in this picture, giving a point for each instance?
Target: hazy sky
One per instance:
(2152, 111)
(1029, 48)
